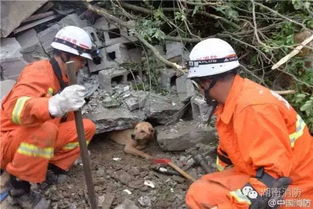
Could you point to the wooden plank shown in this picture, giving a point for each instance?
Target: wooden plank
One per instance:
(31, 25)
(46, 7)
(38, 16)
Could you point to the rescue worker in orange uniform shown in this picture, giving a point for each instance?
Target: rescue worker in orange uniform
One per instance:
(37, 125)
(265, 150)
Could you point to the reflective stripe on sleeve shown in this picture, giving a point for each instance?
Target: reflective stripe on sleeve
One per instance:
(300, 125)
(17, 110)
(34, 151)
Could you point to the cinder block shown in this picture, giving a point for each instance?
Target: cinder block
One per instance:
(31, 47)
(101, 24)
(122, 53)
(176, 52)
(74, 20)
(174, 49)
(117, 35)
(93, 34)
(185, 88)
(113, 34)
(46, 37)
(110, 77)
(167, 78)
(200, 109)
(114, 55)
(160, 49)
(11, 69)
(106, 62)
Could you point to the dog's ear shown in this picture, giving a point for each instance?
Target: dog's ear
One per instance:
(134, 124)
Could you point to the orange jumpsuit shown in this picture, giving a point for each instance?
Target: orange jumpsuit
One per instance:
(30, 138)
(257, 128)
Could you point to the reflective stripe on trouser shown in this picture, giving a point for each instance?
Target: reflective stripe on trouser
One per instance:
(67, 137)
(18, 160)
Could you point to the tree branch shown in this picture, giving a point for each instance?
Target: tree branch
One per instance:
(106, 14)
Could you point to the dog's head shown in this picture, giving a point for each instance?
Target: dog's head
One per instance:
(143, 133)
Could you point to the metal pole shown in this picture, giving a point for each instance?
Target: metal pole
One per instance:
(82, 142)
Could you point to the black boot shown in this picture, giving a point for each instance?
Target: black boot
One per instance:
(22, 195)
(55, 175)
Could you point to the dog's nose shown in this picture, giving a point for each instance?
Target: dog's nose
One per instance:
(132, 136)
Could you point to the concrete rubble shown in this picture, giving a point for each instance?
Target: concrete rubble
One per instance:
(11, 60)
(187, 133)
(14, 12)
(113, 102)
(5, 87)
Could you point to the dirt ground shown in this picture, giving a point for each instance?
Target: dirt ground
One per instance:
(131, 181)
(114, 172)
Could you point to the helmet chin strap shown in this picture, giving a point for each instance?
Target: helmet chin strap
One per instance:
(208, 99)
(66, 59)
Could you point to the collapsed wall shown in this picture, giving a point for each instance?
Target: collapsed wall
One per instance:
(114, 101)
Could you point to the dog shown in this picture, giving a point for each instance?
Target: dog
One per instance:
(135, 139)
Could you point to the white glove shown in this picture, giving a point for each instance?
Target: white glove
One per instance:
(70, 99)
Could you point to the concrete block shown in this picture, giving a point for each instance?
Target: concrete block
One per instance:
(14, 12)
(74, 20)
(167, 78)
(176, 52)
(9, 50)
(114, 55)
(11, 69)
(93, 34)
(122, 53)
(113, 34)
(132, 103)
(160, 49)
(174, 49)
(11, 60)
(184, 135)
(31, 47)
(185, 88)
(200, 109)
(101, 24)
(110, 77)
(105, 64)
(5, 87)
(46, 37)
(117, 35)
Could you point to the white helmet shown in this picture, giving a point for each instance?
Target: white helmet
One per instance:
(73, 40)
(211, 57)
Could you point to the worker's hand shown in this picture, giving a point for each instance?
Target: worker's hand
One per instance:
(70, 99)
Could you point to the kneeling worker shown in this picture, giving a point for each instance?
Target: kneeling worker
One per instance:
(38, 130)
(265, 151)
